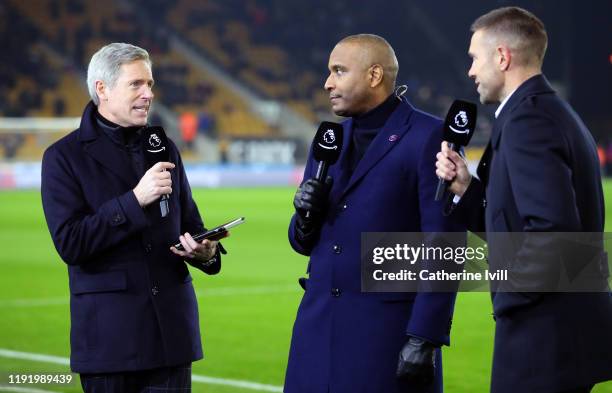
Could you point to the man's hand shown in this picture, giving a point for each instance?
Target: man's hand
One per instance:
(310, 201)
(198, 251)
(417, 362)
(453, 168)
(155, 183)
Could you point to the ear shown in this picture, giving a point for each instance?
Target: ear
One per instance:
(101, 90)
(504, 57)
(375, 75)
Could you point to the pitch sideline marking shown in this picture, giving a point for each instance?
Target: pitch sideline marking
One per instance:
(212, 292)
(20, 389)
(37, 357)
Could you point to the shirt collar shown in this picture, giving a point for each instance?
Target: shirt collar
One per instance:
(503, 103)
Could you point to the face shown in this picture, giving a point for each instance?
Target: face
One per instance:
(128, 102)
(348, 84)
(484, 70)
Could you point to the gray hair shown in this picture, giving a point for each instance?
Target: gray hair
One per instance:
(106, 63)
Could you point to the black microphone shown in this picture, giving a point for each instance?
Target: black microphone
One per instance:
(326, 148)
(459, 127)
(155, 149)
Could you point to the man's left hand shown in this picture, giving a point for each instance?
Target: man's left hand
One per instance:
(194, 250)
(417, 362)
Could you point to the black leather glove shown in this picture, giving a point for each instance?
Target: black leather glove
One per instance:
(417, 364)
(310, 202)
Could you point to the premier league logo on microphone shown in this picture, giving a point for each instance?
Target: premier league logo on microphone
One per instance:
(155, 142)
(329, 138)
(461, 121)
(327, 143)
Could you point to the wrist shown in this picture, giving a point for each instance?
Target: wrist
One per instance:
(138, 197)
(462, 187)
(421, 342)
(209, 261)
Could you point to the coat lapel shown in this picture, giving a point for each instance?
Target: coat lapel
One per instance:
(341, 171)
(485, 165)
(102, 149)
(537, 84)
(387, 138)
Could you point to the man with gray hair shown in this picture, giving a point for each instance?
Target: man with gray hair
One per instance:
(134, 315)
(539, 174)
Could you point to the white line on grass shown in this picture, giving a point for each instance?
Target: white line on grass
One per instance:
(4, 388)
(34, 302)
(210, 292)
(37, 357)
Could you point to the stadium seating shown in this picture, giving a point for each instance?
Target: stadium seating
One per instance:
(75, 30)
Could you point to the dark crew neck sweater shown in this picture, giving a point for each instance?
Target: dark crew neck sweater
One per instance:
(367, 126)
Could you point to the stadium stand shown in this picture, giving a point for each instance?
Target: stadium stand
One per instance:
(277, 50)
(274, 49)
(75, 30)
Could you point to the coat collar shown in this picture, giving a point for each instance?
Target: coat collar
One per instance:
(537, 84)
(102, 149)
(387, 138)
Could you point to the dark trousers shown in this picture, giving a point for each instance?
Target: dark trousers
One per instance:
(159, 380)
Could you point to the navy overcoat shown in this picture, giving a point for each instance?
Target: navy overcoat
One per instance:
(132, 304)
(345, 340)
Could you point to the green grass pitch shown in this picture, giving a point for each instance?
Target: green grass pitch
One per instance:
(246, 311)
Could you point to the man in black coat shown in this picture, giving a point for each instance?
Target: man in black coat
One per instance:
(133, 309)
(539, 173)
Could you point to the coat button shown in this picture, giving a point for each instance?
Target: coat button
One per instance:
(344, 207)
(336, 292)
(148, 247)
(154, 290)
(484, 203)
(337, 249)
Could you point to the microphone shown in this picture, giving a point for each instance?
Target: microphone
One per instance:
(326, 148)
(155, 149)
(327, 145)
(459, 127)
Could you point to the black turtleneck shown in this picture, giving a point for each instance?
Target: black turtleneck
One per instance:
(367, 126)
(127, 139)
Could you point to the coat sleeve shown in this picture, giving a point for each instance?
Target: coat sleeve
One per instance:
(471, 208)
(539, 173)
(303, 245)
(541, 181)
(191, 221)
(432, 311)
(79, 232)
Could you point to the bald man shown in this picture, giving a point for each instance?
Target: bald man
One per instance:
(384, 181)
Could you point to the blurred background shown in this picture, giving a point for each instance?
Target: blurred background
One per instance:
(239, 88)
(240, 82)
